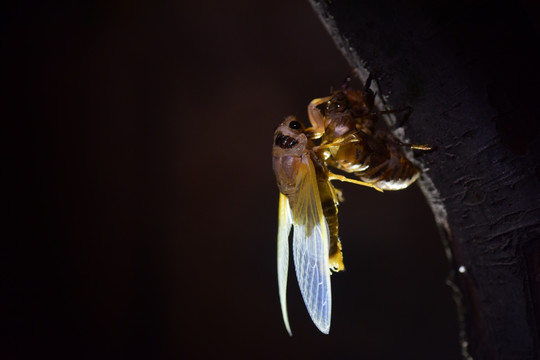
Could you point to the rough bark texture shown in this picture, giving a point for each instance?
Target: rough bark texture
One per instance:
(470, 70)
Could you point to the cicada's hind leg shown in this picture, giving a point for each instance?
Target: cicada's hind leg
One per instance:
(332, 176)
(422, 147)
(395, 140)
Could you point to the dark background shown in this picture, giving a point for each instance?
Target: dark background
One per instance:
(142, 204)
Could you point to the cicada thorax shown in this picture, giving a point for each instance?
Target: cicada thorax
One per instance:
(351, 142)
(290, 146)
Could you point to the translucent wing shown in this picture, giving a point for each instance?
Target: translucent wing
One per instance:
(284, 228)
(311, 248)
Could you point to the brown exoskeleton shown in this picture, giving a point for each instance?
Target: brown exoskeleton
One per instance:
(345, 123)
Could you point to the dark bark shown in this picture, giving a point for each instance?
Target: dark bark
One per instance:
(470, 70)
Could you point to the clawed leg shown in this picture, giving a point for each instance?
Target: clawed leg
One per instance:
(316, 118)
(332, 176)
(414, 146)
(339, 194)
(419, 147)
(340, 141)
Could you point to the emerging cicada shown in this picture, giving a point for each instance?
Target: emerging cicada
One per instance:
(308, 202)
(345, 124)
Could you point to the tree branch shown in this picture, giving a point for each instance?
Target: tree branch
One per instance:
(471, 74)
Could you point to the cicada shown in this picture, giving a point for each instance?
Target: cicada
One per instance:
(349, 140)
(344, 126)
(308, 204)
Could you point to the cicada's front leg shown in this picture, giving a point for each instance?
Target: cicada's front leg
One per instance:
(316, 118)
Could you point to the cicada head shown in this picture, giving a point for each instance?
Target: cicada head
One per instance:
(289, 137)
(290, 144)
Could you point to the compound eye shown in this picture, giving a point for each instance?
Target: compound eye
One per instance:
(295, 125)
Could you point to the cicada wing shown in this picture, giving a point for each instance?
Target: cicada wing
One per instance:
(311, 248)
(284, 228)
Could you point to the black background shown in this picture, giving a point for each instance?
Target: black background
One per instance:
(142, 204)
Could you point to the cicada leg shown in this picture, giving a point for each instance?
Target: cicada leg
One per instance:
(324, 150)
(422, 147)
(332, 176)
(316, 118)
(339, 141)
